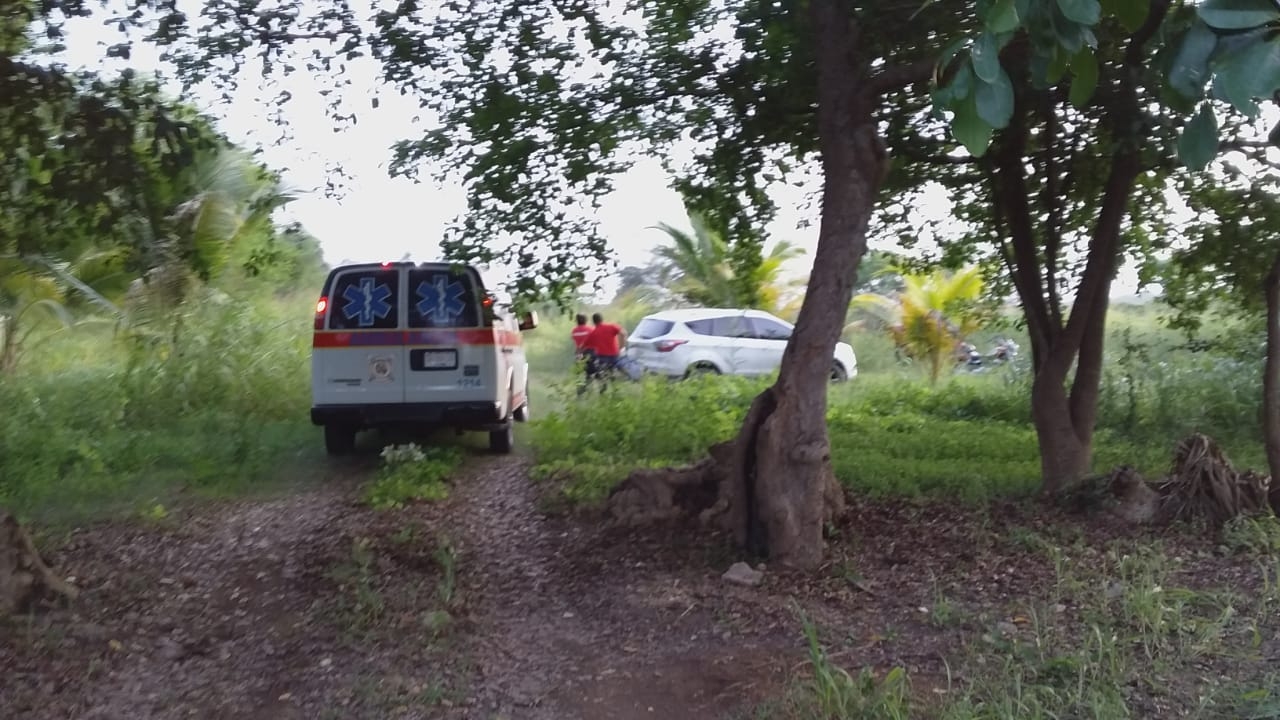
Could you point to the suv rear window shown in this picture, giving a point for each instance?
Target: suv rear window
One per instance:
(729, 326)
(439, 298)
(363, 299)
(766, 329)
(650, 328)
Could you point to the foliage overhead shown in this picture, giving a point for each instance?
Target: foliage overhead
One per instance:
(1229, 248)
(536, 107)
(1227, 46)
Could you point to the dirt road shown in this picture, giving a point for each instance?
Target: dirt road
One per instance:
(312, 606)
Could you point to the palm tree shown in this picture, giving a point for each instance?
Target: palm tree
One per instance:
(698, 268)
(23, 292)
(37, 284)
(227, 197)
(930, 315)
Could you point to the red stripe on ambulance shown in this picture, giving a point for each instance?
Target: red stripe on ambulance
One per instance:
(342, 338)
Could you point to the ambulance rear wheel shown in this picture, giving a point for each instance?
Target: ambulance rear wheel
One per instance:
(501, 441)
(339, 439)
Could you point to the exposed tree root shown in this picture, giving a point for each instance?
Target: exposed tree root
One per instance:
(664, 494)
(725, 490)
(24, 576)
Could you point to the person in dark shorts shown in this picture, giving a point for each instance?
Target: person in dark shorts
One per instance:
(581, 352)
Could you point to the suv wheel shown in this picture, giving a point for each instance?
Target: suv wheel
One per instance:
(702, 368)
(501, 441)
(339, 439)
(522, 413)
(838, 373)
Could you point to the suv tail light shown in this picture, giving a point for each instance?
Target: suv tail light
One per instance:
(321, 305)
(669, 345)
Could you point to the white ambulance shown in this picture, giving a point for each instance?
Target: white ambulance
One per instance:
(420, 345)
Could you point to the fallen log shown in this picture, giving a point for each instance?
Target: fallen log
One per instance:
(24, 575)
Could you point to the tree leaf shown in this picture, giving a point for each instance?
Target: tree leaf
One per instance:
(1085, 12)
(1198, 143)
(1190, 69)
(1130, 13)
(986, 57)
(970, 129)
(957, 91)
(1002, 17)
(1238, 14)
(994, 100)
(1057, 66)
(1084, 70)
(1249, 73)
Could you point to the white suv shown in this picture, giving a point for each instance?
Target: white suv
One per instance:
(679, 343)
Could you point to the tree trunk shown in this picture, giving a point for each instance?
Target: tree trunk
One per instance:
(774, 486)
(8, 344)
(1065, 448)
(783, 462)
(1271, 374)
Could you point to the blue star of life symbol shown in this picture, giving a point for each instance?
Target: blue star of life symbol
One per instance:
(366, 303)
(441, 299)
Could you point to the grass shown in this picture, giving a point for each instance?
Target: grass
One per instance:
(1137, 641)
(97, 422)
(970, 437)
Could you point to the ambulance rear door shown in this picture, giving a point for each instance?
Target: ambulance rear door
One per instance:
(449, 343)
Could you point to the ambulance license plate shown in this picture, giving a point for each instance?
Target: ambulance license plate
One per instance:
(433, 359)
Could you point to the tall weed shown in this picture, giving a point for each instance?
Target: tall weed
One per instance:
(116, 421)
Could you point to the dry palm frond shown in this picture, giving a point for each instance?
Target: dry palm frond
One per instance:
(1204, 484)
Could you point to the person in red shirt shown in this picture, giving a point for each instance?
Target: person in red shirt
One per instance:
(605, 343)
(581, 352)
(580, 334)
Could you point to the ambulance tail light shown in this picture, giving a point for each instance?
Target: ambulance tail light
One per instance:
(321, 306)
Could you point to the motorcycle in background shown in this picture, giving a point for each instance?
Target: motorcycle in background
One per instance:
(1005, 351)
(968, 357)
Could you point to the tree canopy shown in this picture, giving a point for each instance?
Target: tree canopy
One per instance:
(1055, 124)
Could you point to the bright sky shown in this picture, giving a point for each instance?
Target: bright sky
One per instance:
(380, 218)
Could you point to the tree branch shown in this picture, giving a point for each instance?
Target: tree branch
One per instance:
(1084, 335)
(1009, 187)
(1051, 197)
(896, 77)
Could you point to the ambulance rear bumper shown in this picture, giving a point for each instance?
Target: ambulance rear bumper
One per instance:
(463, 415)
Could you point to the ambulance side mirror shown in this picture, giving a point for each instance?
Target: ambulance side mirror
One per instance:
(528, 321)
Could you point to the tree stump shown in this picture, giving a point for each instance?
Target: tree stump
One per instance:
(24, 576)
